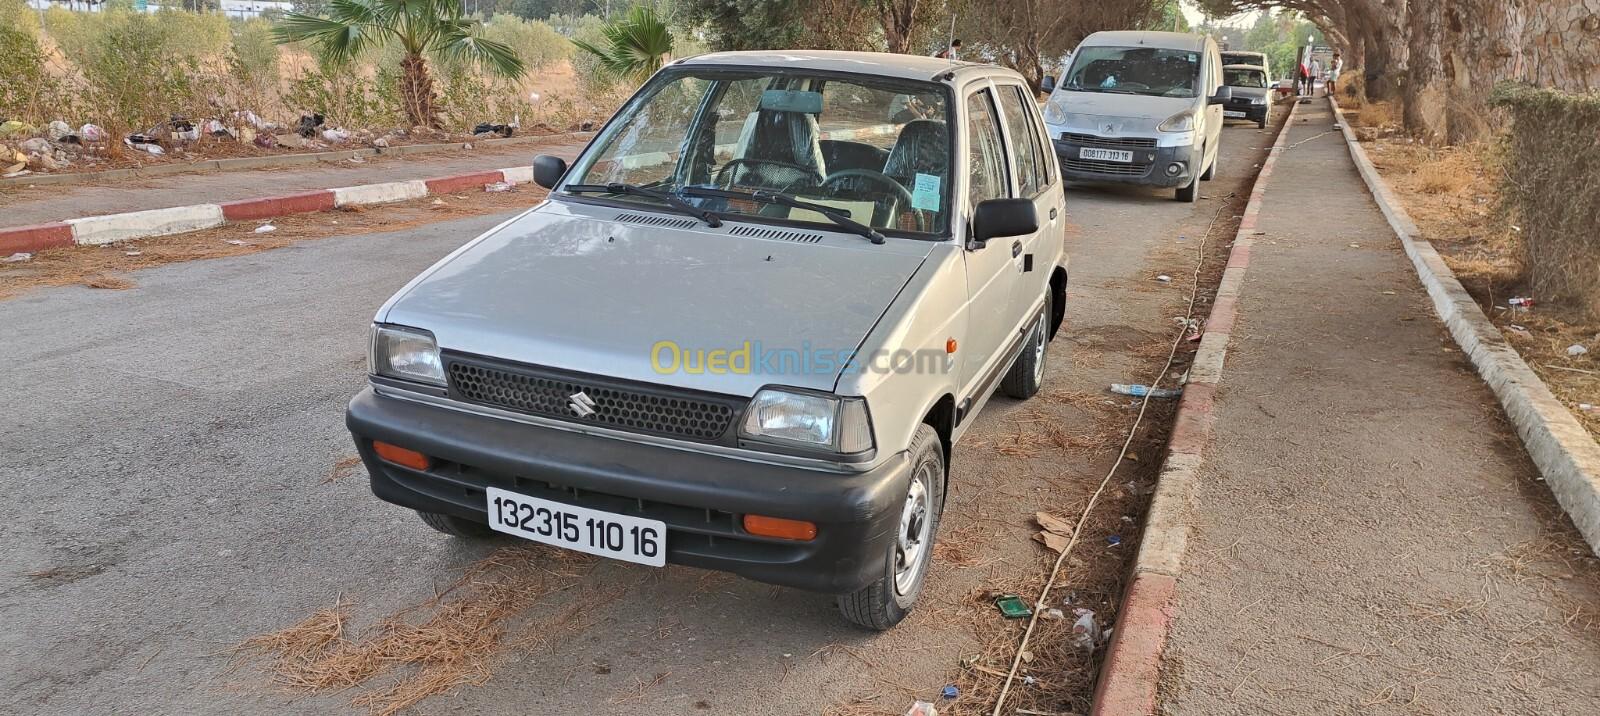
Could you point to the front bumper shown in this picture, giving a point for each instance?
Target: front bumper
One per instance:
(1147, 168)
(1252, 112)
(702, 498)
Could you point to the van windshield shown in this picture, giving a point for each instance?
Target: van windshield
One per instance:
(1155, 71)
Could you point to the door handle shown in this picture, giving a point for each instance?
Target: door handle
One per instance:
(1016, 249)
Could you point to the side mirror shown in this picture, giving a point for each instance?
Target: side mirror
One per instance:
(1223, 96)
(996, 218)
(1048, 85)
(548, 170)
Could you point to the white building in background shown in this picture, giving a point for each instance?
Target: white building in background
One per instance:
(241, 9)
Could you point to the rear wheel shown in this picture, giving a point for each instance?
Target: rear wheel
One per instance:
(456, 526)
(885, 602)
(1027, 372)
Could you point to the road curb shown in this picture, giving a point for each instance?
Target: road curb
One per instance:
(1566, 455)
(1131, 672)
(274, 161)
(111, 228)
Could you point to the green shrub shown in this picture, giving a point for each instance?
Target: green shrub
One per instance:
(1552, 189)
(538, 44)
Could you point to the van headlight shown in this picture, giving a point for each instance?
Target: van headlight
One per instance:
(405, 353)
(809, 420)
(1258, 100)
(1054, 113)
(1182, 122)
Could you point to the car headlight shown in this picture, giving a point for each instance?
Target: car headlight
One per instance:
(405, 353)
(1258, 100)
(809, 419)
(1183, 122)
(1053, 113)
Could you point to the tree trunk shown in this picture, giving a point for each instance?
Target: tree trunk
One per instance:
(1385, 49)
(416, 92)
(899, 18)
(1482, 45)
(1423, 94)
(1562, 44)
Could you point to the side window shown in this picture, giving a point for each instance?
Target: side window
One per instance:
(1024, 141)
(986, 154)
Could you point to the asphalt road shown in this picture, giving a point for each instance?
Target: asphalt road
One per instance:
(165, 451)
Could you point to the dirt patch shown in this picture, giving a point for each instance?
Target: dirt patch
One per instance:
(431, 648)
(1451, 193)
(104, 266)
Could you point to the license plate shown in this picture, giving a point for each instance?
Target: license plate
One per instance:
(606, 534)
(1105, 155)
(1232, 113)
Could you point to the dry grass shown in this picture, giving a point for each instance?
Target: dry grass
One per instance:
(342, 468)
(1451, 193)
(431, 648)
(102, 266)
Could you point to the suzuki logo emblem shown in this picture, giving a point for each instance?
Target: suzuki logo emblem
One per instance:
(1111, 128)
(581, 404)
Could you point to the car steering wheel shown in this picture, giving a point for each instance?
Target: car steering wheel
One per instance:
(901, 196)
(725, 171)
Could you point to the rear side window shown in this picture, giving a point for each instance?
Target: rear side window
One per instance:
(986, 156)
(1032, 174)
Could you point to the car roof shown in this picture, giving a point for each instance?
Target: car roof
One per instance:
(1127, 38)
(1244, 67)
(915, 67)
(1252, 53)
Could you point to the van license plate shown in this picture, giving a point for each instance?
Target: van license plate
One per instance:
(607, 534)
(1105, 155)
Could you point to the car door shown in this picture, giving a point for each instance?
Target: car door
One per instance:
(1032, 160)
(1211, 72)
(991, 269)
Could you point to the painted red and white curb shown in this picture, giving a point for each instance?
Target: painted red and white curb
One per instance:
(1131, 671)
(1566, 454)
(111, 228)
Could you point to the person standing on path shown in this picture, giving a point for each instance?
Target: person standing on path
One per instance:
(1311, 81)
(1303, 80)
(1334, 67)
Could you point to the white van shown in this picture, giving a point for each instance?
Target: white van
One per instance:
(1140, 108)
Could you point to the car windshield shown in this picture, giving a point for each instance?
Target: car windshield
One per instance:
(1153, 71)
(1244, 77)
(875, 150)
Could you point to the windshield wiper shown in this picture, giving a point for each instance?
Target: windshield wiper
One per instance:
(768, 196)
(668, 198)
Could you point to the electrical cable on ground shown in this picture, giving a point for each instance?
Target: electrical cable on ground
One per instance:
(1039, 604)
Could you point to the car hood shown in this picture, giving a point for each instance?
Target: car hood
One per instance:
(569, 286)
(1142, 109)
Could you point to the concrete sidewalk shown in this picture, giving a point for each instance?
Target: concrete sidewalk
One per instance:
(1368, 535)
(44, 204)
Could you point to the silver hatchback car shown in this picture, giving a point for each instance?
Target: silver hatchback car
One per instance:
(746, 330)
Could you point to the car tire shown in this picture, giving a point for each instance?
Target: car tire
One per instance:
(885, 602)
(456, 526)
(1262, 123)
(1191, 193)
(1027, 371)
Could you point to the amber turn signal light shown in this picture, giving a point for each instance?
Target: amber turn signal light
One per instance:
(780, 528)
(401, 456)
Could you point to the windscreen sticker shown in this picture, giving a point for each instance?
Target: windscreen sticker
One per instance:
(925, 193)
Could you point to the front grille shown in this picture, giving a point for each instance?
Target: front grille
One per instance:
(1099, 167)
(1112, 142)
(622, 405)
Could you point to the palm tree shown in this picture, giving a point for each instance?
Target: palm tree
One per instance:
(422, 28)
(638, 44)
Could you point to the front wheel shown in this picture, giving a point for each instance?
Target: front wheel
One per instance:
(1190, 193)
(456, 526)
(885, 602)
